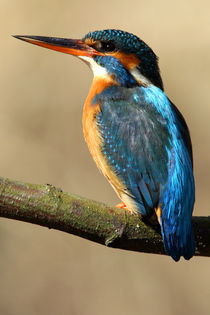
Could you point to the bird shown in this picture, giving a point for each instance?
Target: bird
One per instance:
(137, 137)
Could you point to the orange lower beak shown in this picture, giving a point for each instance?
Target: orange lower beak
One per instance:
(74, 47)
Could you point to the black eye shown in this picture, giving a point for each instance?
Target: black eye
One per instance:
(104, 46)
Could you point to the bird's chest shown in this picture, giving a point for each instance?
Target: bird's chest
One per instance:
(93, 136)
(90, 128)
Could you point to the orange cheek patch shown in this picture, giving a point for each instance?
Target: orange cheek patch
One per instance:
(129, 61)
(89, 41)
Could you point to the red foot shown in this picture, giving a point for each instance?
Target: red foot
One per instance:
(122, 205)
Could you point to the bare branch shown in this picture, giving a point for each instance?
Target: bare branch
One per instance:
(48, 206)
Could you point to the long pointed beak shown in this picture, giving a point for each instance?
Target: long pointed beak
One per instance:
(74, 47)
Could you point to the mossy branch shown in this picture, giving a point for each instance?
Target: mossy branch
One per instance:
(48, 206)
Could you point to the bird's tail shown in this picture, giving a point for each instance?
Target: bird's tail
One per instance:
(178, 238)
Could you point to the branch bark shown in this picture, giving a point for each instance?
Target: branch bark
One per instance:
(48, 206)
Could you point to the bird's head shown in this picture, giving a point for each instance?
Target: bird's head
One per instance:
(114, 54)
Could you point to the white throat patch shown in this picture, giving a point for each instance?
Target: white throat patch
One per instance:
(98, 71)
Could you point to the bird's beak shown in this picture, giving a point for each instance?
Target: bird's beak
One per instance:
(74, 47)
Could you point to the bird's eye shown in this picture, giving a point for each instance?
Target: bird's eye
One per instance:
(104, 46)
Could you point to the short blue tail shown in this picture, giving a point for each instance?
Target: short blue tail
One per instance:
(178, 239)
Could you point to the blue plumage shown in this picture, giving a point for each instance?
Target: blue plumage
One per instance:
(143, 144)
(178, 197)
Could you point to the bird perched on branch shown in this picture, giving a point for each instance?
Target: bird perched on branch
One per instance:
(137, 137)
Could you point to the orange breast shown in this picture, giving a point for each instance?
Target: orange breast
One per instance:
(90, 129)
(95, 141)
(92, 134)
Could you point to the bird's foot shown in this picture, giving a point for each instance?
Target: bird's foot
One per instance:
(122, 205)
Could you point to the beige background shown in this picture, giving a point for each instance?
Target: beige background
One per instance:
(42, 93)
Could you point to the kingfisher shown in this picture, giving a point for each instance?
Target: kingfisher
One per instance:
(136, 135)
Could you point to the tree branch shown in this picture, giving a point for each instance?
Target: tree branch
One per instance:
(48, 206)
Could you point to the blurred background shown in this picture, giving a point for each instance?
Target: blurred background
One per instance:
(42, 94)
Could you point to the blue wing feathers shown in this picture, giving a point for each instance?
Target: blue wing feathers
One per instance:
(147, 144)
(135, 155)
(179, 195)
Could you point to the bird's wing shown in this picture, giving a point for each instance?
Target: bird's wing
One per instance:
(184, 131)
(135, 143)
(147, 145)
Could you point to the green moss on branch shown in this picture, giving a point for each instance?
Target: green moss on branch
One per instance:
(48, 206)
